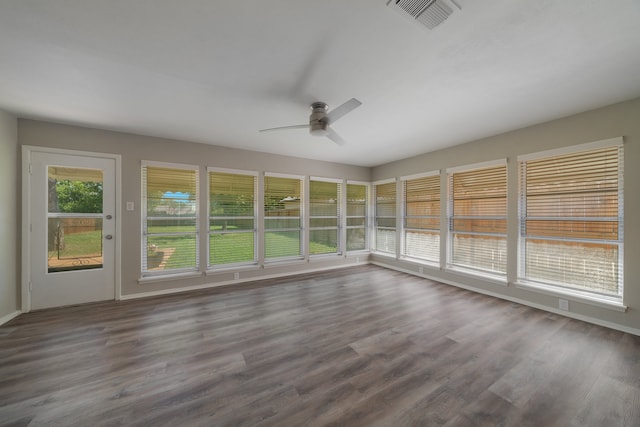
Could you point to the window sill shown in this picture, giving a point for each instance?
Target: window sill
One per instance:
(168, 277)
(602, 301)
(426, 263)
(324, 257)
(384, 254)
(476, 274)
(283, 262)
(232, 268)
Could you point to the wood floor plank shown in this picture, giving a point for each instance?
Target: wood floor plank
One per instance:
(359, 346)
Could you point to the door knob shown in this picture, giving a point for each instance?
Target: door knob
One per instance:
(108, 237)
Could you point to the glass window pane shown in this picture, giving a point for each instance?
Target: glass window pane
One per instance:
(75, 243)
(482, 252)
(170, 252)
(74, 223)
(422, 244)
(591, 267)
(425, 223)
(386, 240)
(323, 241)
(281, 222)
(386, 222)
(282, 244)
(231, 225)
(231, 194)
(356, 239)
(171, 225)
(323, 222)
(356, 222)
(231, 248)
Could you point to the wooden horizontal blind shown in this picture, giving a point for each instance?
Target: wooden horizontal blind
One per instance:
(232, 218)
(170, 225)
(282, 217)
(478, 219)
(324, 217)
(571, 220)
(357, 205)
(385, 204)
(422, 218)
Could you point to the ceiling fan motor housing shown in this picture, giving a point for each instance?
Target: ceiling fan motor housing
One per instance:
(318, 120)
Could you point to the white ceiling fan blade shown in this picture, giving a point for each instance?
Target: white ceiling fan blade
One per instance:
(343, 109)
(333, 135)
(305, 126)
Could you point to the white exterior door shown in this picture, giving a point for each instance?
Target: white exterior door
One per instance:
(72, 229)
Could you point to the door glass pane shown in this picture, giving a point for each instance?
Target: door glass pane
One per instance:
(74, 219)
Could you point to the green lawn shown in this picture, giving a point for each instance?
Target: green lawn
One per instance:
(226, 248)
(78, 245)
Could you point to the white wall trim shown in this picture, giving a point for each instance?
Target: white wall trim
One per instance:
(6, 318)
(324, 179)
(577, 316)
(384, 181)
(474, 166)
(572, 149)
(420, 175)
(232, 171)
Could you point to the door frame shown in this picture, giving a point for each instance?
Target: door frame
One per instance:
(27, 151)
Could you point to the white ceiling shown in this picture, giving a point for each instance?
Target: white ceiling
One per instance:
(215, 72)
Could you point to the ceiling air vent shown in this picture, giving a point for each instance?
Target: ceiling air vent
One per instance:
(429, 13)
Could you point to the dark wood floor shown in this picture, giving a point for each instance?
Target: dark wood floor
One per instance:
(355, 347)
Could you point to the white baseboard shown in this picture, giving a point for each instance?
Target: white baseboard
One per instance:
(10, 316)
(588, 319)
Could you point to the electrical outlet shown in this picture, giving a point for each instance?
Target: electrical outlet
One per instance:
(236, 276)
(563, 304)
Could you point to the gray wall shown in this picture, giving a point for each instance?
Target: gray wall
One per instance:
(135, 148)
(617, 120)
(9, 208)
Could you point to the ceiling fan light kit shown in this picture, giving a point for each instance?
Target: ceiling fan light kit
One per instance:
(318, 119)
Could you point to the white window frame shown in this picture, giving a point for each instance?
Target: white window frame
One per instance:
(255, 174)
(404, 228)
(340, 215)
(594, 298)
(472, 271)
(367, 216)
(302, 219)
(374, 225)
(182, 272)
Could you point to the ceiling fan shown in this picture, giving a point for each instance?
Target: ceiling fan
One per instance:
(320, 120)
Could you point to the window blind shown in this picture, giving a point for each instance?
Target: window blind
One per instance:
(478, 219)
(385, 229)
(422, 218)
(571, 220)
(324, 217)
(357, 203)
(232, 221)
(170, 219)
(282, 217)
